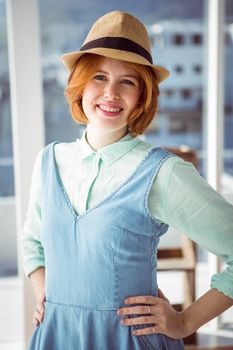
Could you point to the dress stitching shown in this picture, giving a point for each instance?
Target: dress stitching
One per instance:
(79, 306)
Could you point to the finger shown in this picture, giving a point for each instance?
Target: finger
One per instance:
(137, 321)
(38, 316)
(40, 307)
(135, 310)
(142, 299)
(35, 321)
(145, 331)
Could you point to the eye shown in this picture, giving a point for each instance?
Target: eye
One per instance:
(128, 82)
(100, 77)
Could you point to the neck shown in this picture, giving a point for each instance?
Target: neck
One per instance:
(99, 138)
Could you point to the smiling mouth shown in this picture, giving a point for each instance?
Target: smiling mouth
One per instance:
(110, 109)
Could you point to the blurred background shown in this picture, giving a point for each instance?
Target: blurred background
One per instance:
(178, 33)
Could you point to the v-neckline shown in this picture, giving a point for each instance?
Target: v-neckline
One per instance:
(66, 197)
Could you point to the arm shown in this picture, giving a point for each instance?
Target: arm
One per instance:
(37, 278)
(210, 305)
(32, 249)
(30, 240)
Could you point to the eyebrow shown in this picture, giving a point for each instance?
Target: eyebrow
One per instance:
(123, 75)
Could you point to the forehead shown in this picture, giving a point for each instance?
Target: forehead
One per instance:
(117, 66)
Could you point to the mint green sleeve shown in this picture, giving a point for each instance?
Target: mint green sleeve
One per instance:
(181, 198)
(30, 241)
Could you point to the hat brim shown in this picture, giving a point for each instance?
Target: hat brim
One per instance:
(71, 58)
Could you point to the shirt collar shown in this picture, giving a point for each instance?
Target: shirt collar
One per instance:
(110, 153)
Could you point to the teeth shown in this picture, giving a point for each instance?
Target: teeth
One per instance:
(109, 109)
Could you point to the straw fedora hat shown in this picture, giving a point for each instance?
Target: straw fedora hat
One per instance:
(118, 35)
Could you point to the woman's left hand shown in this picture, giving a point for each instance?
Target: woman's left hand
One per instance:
(153, 310)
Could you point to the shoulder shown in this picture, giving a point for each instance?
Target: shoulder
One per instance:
(175, 164)
(142, 147)
(171, 163)
(66, 147)
(175, 171)
(67, 152)
(62, 150)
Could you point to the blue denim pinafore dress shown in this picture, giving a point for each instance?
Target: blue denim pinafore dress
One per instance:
(97, 259)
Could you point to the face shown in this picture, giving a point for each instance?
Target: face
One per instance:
(111, 95)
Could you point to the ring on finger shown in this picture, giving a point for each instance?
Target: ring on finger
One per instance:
(148, 309)
(154, 330)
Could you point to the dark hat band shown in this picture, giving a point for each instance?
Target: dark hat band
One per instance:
(118, 43)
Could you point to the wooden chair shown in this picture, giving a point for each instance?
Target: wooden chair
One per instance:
(183, 257)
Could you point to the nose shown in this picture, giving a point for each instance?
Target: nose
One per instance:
(111, 91)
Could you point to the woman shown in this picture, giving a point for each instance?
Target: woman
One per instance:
(99, 205)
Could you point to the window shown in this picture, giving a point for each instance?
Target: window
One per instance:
(10, 290)
(179, 69)
(152, 40)
(178, 39)
(6, 151)
(181, 124)
(196, 39)
(186, 94)
(197, 68)
(169, 92)
(228, 39)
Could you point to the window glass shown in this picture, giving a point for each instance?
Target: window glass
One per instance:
(196, 39)
(8, 248)
(6, 152)
(178, 69)
(10, 285)
(178, 39)
(180, 118)
(197, 68)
